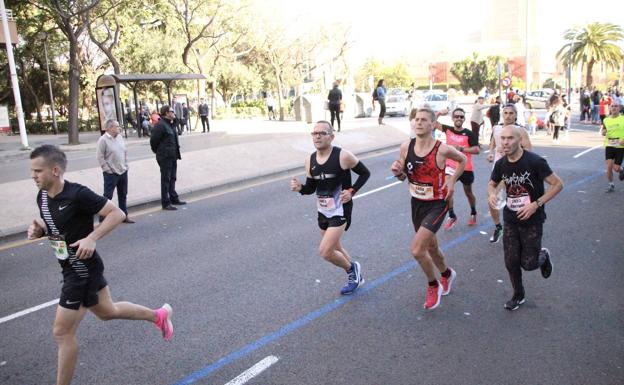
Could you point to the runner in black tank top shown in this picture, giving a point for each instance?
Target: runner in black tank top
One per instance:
(67, 211)
(328, 172)
(422, 161)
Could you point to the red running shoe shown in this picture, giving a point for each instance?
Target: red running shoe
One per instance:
(446, 283)
(432, 300)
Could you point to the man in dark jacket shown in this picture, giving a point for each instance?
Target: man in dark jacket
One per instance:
(164, 143)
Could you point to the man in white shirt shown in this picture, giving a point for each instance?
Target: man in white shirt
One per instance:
(113, 158)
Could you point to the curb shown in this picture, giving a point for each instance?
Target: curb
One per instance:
(19, 232)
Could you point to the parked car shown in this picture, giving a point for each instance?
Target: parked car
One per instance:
(538, 98)
(397, 105)
(437, 101)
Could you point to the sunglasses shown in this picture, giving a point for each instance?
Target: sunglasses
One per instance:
(319, 133)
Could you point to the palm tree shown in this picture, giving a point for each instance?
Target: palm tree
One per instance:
(591, 44)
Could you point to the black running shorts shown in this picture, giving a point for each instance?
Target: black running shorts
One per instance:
(467, 178)
(615, 153)
(337, 221)
(78, 291)
(429, 214)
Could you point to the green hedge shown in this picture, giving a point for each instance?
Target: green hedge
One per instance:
(46, 127)
(250, 103)
(240, 112)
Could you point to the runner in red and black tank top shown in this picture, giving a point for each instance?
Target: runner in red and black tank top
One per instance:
(425, 177)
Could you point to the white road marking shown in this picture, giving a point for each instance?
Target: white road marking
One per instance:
(253, 371)
(377, 189)
(29, 310)
(586, 151)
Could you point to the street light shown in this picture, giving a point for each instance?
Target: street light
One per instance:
(44, 37)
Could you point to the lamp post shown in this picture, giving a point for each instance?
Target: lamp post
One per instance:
(44, 36)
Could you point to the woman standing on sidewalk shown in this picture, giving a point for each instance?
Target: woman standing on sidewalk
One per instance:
(381, 98)
(334, 99)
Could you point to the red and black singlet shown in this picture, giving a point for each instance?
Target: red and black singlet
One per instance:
(425, 177)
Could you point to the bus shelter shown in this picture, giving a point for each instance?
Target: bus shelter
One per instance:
(109, 102)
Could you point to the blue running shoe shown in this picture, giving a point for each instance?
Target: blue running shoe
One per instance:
(355, 280)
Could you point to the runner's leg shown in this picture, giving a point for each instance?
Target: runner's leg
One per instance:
(106, 309)
(419, 248)
(331, 249)
(64, 330)
(513, 252)
(610, 170)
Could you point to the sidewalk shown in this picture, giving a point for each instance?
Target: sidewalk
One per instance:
(283, 148)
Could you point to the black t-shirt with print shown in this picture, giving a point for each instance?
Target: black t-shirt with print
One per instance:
(70, 214)
(524, 183)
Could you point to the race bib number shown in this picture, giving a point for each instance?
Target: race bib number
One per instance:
(421, 191)
(326, 203)
(516, 203)
(614, 141)
(59, 246)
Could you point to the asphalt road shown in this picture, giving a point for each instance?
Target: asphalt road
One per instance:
(242, 273)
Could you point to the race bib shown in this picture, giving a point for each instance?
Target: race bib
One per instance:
(516, 203)
(449, 170)
(421, 191)
(59, 246)
(614, 141)
(325, 203)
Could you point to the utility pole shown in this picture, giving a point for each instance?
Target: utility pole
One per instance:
(16, 92)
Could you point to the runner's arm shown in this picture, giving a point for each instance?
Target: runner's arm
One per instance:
(310, 185)
(350, 161)
(37, 229)
(112, 217)
(556, 185)
(397, 166)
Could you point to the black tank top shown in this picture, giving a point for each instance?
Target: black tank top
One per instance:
(331, 179)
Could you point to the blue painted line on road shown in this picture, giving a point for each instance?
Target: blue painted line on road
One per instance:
(306, 319)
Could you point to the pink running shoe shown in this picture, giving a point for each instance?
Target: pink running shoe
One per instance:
(163, 321)
(447, 283)
(450, 223)
(472, 220)
(432, 300)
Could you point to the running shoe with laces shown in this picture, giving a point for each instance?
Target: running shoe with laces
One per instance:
(450, 223)
(472, 220)
(547, 266)
(163, 321)
(432, 300)
(610, 189)
(514, 302)
(447, 283)
(355, 280)
(498, 231)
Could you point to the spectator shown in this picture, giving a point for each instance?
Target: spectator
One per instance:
(532, 121)
(557, 116)
(381, 98)
(270, 103)
(585, 106)
(154, 118)
(596, 96)
(203, 115)
(603, 107)
(177, 110)
(184, 121)
(112, 156)
(476, 118)
(334, 99)
(494, 111)
(521, 109)
(164, 143)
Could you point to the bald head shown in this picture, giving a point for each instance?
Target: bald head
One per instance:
(511, 130)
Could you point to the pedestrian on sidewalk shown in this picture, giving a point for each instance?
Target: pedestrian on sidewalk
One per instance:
(112, 156)
(177, 110)
(270, 103)
(524, 174)
(381, 99)
(334, 99)
(328, 174)
(67, 211)
(203, 115)
(164, 143)
(476, 117)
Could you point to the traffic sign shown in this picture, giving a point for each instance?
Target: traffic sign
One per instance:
(506, 81)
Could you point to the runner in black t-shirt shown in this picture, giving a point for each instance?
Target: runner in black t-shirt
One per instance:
(524, 174)
(67, 211)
